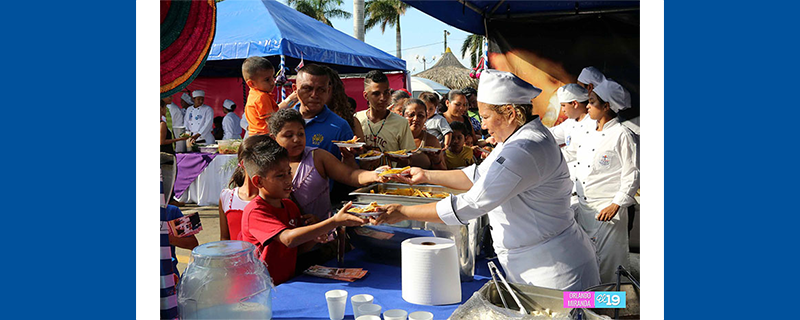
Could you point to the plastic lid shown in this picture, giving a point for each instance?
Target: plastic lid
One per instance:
(225, 248)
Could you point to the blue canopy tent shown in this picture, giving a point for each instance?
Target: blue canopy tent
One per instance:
(468, 15)
(270, 28)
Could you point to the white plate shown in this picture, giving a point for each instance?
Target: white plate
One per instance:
(349, 145)
(370, 158)
(398, 155)
(364, 214)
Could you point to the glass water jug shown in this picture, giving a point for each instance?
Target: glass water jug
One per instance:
(225, 280)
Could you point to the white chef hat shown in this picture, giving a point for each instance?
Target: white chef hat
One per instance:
(227, 104)
(572, 92)
(613, 93)
(186, 98)
(499, 87)
(198, 93)
(591, 75)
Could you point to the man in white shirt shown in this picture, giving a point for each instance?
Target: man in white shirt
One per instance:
(200, 118)
(231, 123)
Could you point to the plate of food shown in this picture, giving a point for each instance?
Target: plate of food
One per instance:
(365, 210)
(370, 155)
(352, 143)
(399, 153)
(390, 172)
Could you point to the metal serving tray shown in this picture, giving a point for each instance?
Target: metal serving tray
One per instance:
(363, 194)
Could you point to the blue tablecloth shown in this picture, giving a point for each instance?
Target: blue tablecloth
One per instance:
(303, 297)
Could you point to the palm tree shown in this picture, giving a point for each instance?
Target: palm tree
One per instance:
(473, 44)
(385, 12)
(322, 10)
(358, 19)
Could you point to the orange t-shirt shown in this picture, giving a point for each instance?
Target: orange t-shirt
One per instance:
(260, 106)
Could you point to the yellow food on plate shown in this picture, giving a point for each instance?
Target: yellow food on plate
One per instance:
(351, 141)
(370, 153)
(412, 192)
(370, 208)
(400, 152)
(393, 171)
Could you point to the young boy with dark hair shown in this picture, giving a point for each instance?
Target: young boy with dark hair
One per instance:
(271, 221)
(259, 74)
(456, 155)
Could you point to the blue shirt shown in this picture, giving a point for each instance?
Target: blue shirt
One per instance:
(326, 127)
(168, 214)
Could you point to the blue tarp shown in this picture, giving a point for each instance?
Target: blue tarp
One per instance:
(270, 28)
(468, 16)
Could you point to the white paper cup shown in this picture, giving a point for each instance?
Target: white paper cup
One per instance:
(358, 300)
(369, 309)
(337, 301)
(395, 314)
(369, 317)
(420, 315)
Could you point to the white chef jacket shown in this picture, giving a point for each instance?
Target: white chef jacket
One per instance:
(524, 186)
(200, 120)
(606, 172)
(231, 126)
(571, 131)
(243, 123)
(177, 115)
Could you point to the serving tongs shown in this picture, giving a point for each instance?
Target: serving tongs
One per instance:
(493, 270)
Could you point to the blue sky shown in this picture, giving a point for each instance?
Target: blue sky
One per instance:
(421, 35)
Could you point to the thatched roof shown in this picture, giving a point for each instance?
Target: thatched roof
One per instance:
(449, 72)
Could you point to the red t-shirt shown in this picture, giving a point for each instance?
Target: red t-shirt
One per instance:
(259, 107)
(261, 223)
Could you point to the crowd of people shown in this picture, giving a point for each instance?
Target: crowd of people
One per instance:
(572, 183)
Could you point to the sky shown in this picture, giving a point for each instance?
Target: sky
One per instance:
(420, 35)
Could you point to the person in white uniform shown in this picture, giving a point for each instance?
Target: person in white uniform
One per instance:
(231, 123)
(524, 187)
(176, 113)
(590, 77)
(200, 118)
(607, 177)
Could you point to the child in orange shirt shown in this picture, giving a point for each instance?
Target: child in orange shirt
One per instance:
(259, 74)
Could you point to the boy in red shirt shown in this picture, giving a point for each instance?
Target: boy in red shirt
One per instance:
(259, 74)
(271, 221)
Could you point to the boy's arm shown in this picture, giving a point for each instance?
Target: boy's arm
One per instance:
(183, 242)
(297, 236)
(447, 138)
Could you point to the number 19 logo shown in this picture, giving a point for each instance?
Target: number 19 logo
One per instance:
(609, 299)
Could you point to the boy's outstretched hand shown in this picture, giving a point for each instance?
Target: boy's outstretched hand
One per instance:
(342, 218)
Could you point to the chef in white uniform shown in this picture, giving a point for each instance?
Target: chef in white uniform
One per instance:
(231, 123)
(573, 99)
(176, 114)
(199, 119)
(590, 77)
(607, 177)
(524, 187)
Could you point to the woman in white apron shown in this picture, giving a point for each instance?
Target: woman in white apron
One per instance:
(524, 187)
(606, 177)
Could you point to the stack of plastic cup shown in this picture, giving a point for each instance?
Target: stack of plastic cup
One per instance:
(395, 314)
(337, 301)
(359, 300)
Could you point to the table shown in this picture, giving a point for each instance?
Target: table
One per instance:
(303, 297)
(207, 185)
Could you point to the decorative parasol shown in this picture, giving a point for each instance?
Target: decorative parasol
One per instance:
(187, 31)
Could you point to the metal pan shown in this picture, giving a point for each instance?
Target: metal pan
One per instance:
(364, 195)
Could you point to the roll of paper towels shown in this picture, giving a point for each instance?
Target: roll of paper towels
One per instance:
(430, 271)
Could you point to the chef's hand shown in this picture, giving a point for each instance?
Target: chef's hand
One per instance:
(392, 213)
(608, 213)
(309, 219)
(342, 218)
(415, 175)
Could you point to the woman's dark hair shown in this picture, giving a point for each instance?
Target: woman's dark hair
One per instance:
(283, 116)
(442, 107)
(418, 102)
(338, 103)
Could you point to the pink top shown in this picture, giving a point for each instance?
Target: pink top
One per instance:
(311, 191)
